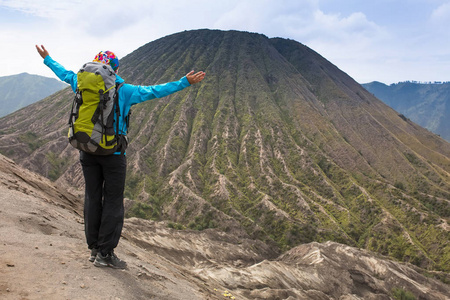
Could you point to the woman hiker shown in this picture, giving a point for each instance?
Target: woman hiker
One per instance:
(104, 175)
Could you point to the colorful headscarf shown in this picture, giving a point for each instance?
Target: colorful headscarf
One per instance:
(107, 58)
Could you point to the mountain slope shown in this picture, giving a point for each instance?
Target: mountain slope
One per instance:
(44, 256)
(20, 90)
(276, 144)
(426, 104)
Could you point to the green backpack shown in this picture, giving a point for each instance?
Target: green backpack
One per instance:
(94, 107)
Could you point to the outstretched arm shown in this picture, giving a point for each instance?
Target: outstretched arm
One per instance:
(137, 93)
(63, 74)
(195, 78)
(42, 51)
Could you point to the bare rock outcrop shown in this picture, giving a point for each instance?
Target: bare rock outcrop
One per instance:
(43, 254)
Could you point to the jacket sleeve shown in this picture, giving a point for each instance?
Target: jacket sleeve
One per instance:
(67, 76)
(134, 94)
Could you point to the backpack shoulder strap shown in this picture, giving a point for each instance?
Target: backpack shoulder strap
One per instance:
(117, 106)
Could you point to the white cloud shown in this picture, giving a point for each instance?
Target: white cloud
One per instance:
(268, 17)
(441, 13)
(351, 42)
(335, 28)
(73, 33)
(73, 30)
(43, 8)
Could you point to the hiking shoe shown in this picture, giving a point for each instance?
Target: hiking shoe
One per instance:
(94, 252)
(109, 260)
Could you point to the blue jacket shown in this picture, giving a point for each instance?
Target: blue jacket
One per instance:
(129, 94)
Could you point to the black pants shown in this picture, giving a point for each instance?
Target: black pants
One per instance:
(103, 206)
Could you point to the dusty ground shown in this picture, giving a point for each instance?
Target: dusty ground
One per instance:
(43, 256)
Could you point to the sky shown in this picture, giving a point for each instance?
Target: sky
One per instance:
(379, 40)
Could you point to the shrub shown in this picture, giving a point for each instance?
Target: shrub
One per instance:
(400, 294)
(399, 185)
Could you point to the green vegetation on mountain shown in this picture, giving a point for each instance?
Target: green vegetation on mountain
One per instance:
(275, 144)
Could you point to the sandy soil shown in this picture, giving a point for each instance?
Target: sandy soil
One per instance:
(43, 254)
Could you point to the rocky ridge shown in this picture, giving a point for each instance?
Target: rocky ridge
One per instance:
(43, 256)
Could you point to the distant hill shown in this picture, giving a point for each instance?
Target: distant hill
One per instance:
(17, 91)
(425, 104)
